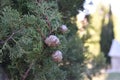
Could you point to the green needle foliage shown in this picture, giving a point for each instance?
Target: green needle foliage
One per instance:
(23, 52)
(74, 58)
(24, 26)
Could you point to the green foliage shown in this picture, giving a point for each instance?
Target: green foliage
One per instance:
(22, 37)
(70, 7)
(97, 63)
(24, 26)
(74, 59)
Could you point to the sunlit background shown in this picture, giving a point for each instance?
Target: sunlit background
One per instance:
(100, 23)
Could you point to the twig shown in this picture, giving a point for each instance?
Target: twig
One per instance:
(9, 37)
(4, 42)
(48, 22)
(42, 35)
(1, 42)
(39, 1)
(12, 35)
(27, 72)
